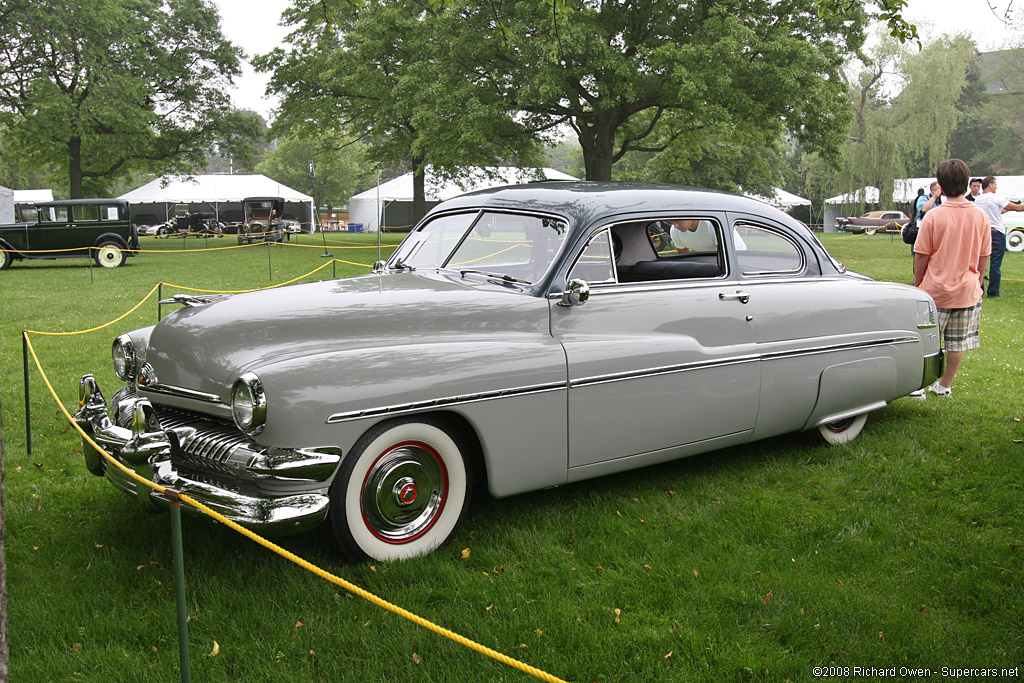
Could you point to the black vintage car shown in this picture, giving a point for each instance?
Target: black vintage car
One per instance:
(262, 220)
(71, 228)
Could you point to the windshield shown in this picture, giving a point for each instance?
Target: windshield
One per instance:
(491, 243)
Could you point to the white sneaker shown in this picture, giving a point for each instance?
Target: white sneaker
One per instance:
(939, 390)
(918, 395)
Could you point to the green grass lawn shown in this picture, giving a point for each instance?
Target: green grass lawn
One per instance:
(902, 549)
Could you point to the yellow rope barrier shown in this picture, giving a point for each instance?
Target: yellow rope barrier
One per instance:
(68, 334)
(288, 555)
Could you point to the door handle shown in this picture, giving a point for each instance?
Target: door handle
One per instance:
(742, 296)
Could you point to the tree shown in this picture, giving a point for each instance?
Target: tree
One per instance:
(660, 75)
(903, 135)
(383, 69)
(339, 166)
(110, 86)
(990, 137)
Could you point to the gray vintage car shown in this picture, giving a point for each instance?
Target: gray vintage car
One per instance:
(518, 338)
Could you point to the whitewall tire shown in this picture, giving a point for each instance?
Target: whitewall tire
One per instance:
(110, 255)
(401, 492)
(843, 431)
(1015, 240)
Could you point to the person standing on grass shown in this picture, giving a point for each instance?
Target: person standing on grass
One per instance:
(995, 206)
(950, 257)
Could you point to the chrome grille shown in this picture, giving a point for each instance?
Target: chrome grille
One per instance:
(208, 443)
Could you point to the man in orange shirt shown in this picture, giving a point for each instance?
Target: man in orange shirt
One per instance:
(950, 258)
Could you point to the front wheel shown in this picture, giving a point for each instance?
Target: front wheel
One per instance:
(401, 492)
(110, 255)
(6, 258)
(843, 431)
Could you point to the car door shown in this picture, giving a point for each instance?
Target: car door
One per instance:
(658, 363)
(818, 337)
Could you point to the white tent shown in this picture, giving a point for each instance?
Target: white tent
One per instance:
(32, 196)
(6, 205)
(781, 200)
(220, 194)
(393, 199)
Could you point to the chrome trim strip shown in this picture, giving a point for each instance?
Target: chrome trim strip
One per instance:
(181, 392)
(444, 402)
(665, 370)
(603, 379)
(776, 355)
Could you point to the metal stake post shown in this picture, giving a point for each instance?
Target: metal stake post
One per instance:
(179, 584)
(28, 400)
(159, 298)
(270, 271)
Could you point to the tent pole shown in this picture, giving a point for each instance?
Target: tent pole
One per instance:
(380, 216)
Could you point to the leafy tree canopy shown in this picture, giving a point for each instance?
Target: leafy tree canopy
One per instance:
(107, 87)
(339, 165)
(385, 71)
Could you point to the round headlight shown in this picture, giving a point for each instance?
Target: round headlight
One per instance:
(249, 404)
(123, 355)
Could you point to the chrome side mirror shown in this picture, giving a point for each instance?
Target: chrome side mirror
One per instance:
(380, 267)
(576, 292)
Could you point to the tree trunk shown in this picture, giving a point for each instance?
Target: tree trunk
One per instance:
(75, 167)
(4, 648)
(419, 192)
(598, 143)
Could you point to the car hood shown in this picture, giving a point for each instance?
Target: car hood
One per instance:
(205, 348)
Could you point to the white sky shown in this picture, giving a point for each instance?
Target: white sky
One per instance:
(254, 27)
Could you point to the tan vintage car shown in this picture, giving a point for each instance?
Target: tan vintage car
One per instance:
(519, 338)
(873, 221)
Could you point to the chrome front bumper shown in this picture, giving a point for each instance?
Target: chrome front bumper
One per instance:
(270, 490)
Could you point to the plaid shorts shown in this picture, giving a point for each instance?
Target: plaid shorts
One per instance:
(959, 327)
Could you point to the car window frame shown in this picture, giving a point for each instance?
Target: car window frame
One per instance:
(743, 221)
(725, 246)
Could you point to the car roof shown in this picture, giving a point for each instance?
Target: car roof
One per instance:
(587, 201)
(80, 202)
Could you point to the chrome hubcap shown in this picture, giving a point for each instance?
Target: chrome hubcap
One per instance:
(840, 425)
(404, 492)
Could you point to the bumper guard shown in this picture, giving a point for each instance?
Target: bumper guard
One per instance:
(269, 490)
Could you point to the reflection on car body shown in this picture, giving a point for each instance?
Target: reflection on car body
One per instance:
(519, 338)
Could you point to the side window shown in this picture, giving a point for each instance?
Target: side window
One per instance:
(85, 212)
(675, 248)
(595, 263)
(760, 251)
(54, 214)
(108, 213)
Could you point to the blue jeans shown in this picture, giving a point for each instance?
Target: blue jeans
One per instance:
(996, 262)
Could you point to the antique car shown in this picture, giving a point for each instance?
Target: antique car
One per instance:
(519, 338)
(263, 220)
(71, 228)
(872, 221)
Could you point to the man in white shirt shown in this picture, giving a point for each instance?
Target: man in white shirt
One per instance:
(693, 235)
(697, 235)
(994, 207)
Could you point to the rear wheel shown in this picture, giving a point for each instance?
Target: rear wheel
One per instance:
(110, 255)
(6, 258)
(870, 230)
(843, 431)
(401, 492)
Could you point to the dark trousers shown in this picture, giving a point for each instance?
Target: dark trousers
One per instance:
(996, 262)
